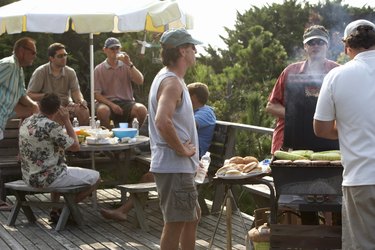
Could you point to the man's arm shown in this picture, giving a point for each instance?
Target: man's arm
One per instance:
(276, 109)
(136, 75)
(78, 98)
(325, 129)
(63, 114)
(35, 96)
(169, 97)
(26, 107)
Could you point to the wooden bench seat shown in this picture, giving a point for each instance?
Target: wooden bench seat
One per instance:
(135, 191)
(21, 190)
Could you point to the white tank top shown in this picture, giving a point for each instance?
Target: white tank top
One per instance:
(163, 158)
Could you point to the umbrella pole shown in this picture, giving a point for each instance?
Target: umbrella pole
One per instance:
(92, 121)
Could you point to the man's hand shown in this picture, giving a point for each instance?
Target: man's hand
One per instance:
(117, 109)
(83, 104)
(63, 114)
(189, 149)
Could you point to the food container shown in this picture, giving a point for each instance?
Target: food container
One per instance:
(102, 133)
(124, 132)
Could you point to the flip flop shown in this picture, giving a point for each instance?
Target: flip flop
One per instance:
(5, 206)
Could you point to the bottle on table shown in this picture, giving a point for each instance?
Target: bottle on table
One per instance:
(75, 122)
(203, 168)
(135, 124)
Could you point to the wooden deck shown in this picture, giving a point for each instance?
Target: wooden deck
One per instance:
(98, 233)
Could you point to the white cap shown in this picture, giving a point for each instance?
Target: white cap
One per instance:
(352, 27)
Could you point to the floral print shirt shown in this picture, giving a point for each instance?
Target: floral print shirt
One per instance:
(42, 144)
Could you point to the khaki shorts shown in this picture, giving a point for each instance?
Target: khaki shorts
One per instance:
(358, 217)
(178, 196)
(76, 176)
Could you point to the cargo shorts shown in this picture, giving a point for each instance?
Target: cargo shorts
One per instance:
(178, 196)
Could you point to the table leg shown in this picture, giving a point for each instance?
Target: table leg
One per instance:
(94, 196)
(229, 221)
(218, 221)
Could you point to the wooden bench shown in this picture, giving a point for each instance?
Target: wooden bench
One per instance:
(10, 167)
(21, 190)
(222, 147)
(135, 192)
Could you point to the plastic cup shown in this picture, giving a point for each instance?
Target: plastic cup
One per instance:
(123, 125)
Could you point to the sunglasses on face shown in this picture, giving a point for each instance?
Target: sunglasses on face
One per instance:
(114, 48)
(318, 42)
(61, 55)
(31, 50)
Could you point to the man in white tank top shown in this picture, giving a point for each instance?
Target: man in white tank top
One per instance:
(174, 141)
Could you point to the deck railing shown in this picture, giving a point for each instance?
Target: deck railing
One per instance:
(235, 127)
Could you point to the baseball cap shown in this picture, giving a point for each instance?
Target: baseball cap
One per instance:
(315, 33)
(177, 37)
(352, 27)
(112, 42)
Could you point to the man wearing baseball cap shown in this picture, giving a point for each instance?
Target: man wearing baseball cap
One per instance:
(174, 141)
(345, 111)
(315, 44)
(113, 87)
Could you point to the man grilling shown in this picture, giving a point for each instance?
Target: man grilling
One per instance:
(300, 84)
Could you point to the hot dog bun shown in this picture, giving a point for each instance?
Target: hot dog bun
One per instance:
(249, 159)
(249, 167)
(236, 160)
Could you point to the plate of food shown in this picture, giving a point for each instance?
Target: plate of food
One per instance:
(101, 141)
(239, 170)
(236, 174)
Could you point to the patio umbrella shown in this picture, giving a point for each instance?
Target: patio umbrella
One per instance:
(90, 17)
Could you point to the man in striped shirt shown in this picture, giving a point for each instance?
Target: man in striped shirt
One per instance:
(13, 98)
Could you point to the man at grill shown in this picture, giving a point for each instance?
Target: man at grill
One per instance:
(315, 40)
(293, 83)
(344, 111)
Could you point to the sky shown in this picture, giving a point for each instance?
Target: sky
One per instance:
(210, 16)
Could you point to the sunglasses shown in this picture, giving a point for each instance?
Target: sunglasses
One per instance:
(114, 48)
(318, 42)
(61, 55)
(31, 50)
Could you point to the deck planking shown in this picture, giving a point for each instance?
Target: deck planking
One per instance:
(98, 233)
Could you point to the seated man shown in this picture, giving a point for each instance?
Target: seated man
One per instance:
(113, 87)
(56, 77)
(205, 120)
(204, 115)
(43, 142)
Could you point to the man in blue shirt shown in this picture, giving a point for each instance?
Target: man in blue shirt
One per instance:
(204, 115)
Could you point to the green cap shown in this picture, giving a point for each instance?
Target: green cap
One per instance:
(176, 37)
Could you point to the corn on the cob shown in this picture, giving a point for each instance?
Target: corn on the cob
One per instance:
(282, 155)
(304, 153)
(326, 156)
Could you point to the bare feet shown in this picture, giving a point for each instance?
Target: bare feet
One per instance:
(112, 214)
